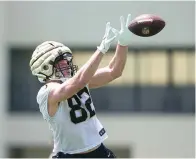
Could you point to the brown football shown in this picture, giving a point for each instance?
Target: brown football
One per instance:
(146, 25)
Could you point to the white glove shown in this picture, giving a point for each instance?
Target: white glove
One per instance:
(124, 33)
(108, 38)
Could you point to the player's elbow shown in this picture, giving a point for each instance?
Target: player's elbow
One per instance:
(116, 74)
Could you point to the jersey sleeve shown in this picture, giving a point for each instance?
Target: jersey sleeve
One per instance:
(42, 100)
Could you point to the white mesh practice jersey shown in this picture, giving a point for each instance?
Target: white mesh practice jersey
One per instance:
(75, 127)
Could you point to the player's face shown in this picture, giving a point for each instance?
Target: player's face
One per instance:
(63, 67)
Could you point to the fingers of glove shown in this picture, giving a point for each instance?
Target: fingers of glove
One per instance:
(108, 27)
(128, 20)
(115, 31)
(111, 39)
(112, 32)
(122, 22)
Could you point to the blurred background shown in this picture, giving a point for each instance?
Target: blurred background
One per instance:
(148, 112)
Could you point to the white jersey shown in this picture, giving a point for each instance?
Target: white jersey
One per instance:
(75, 126)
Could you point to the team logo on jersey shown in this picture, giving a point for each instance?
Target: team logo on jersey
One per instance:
(102, 132)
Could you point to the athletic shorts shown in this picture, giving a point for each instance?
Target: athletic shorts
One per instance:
(100, 152)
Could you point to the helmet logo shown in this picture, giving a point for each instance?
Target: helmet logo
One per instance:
(45, 67)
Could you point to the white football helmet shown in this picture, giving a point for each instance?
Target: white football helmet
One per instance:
(44, 58)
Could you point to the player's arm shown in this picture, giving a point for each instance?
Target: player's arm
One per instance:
(112, 71)
(116, 66)
(82, 77)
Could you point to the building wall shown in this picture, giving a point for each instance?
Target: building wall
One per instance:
(79, 23)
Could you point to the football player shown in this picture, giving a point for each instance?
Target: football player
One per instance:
(64, 99)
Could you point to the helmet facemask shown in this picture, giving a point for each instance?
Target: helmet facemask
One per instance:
(63, 67)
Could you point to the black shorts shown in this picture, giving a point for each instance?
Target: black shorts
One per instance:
(100, 152)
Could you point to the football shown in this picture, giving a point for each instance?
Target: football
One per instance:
(146, 25)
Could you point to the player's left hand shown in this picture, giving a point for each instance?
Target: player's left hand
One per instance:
(124, 34)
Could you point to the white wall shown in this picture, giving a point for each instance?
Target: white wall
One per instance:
(149, 135)
(83, 23)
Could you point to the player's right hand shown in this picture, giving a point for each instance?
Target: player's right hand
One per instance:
(108, 38)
